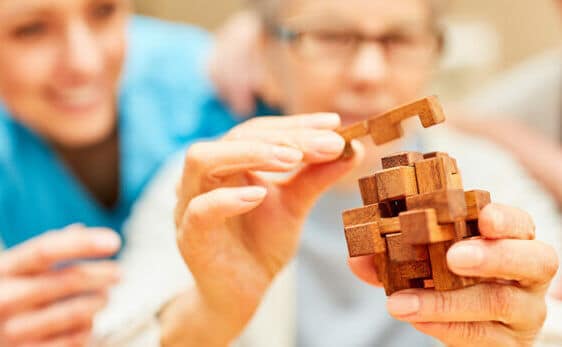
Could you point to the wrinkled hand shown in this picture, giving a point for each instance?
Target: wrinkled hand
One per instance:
(237, 79)
(238, 226)
(42, 306)
(508, 310)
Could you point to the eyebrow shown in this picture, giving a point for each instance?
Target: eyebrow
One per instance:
(317, 22)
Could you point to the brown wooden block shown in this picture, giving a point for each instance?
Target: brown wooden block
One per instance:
(368, 187)
(443, 278)
(428, 283)
(435, 174)
(362, 215)
(389, 225)
(416, 269)
(401, 252)
(420, 227)
(476, 200)
(401, 159)
(387, 127)
(450, 205)
(360, 240)
(389, 274)
(461, 230)
(396, 183)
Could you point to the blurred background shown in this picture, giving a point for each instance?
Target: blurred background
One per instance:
(485, 38)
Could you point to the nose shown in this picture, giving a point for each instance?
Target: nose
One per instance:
(81, 56)
(369, 67)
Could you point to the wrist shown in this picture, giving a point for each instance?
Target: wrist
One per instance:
(188, 320)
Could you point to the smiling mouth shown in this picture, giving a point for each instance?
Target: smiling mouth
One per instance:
(76, 100)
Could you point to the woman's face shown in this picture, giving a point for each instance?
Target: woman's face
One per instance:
(60, 62)
(354, 57)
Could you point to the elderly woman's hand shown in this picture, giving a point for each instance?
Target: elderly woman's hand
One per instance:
(238, 225)
(508, 310)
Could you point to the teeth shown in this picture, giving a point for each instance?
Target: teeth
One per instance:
(79, 96)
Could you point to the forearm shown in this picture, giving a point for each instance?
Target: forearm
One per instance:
(187, 321)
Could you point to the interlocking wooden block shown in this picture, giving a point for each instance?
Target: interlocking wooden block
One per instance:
(386, 127)
(476, 200)
(361, 215)
(360, 240)
(401, 251)
(449, 205)
(437, 173)
(416, 270)
(416, 208)
(368, 187)
(420, 227)
(396, 183)
(401, 159)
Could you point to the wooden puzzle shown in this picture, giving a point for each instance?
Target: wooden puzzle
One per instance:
(386, 127)
(414, 210)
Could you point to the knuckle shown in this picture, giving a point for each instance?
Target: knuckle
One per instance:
(501, 302)
(195, 155)
(470, 331)
(443, 302)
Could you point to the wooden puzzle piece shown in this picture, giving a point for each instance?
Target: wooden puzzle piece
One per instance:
(443, 278)
(361, 215)
(360, 240)
(449, 205)
(476, 200)
(386, 127)
(437, 173)
(416, 270)
(401, 159)
(396, 183)
(401, 251)
(420, 227)
(368, 187)
(389, 225)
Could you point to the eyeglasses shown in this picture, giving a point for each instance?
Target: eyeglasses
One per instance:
(417, 48)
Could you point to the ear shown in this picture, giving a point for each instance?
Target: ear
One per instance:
(269, 71)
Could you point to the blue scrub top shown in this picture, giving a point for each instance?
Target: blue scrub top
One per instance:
(165, 103)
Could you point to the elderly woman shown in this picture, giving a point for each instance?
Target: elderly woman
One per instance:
(244, 199)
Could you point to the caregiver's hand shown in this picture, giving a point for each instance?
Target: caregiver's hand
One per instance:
(238, 227)
(509, 310)
(43, 306)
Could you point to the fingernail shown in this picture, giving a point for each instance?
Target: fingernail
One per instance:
(465, 256)
(323, 120)
(287, 155)
(252, 194)
(107, 241)
(403, 304)
(328, 144)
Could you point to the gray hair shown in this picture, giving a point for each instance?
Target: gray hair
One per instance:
(269, 9)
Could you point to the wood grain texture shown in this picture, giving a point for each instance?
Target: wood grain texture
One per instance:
(401, 159)
(396, 183)
(361, 215)
(368, 188)
(401, 251)
(387, 127)
(437, 173)
(449, 205)
(476, 200)
(360, 240)
(420, 227)
(416, 270)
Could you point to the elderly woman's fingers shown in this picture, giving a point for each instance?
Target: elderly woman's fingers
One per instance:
(316, 145)
(481, 334)
(509, 305)
(327, 121)
(212, 208)
(505, 222)
(531, 263)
